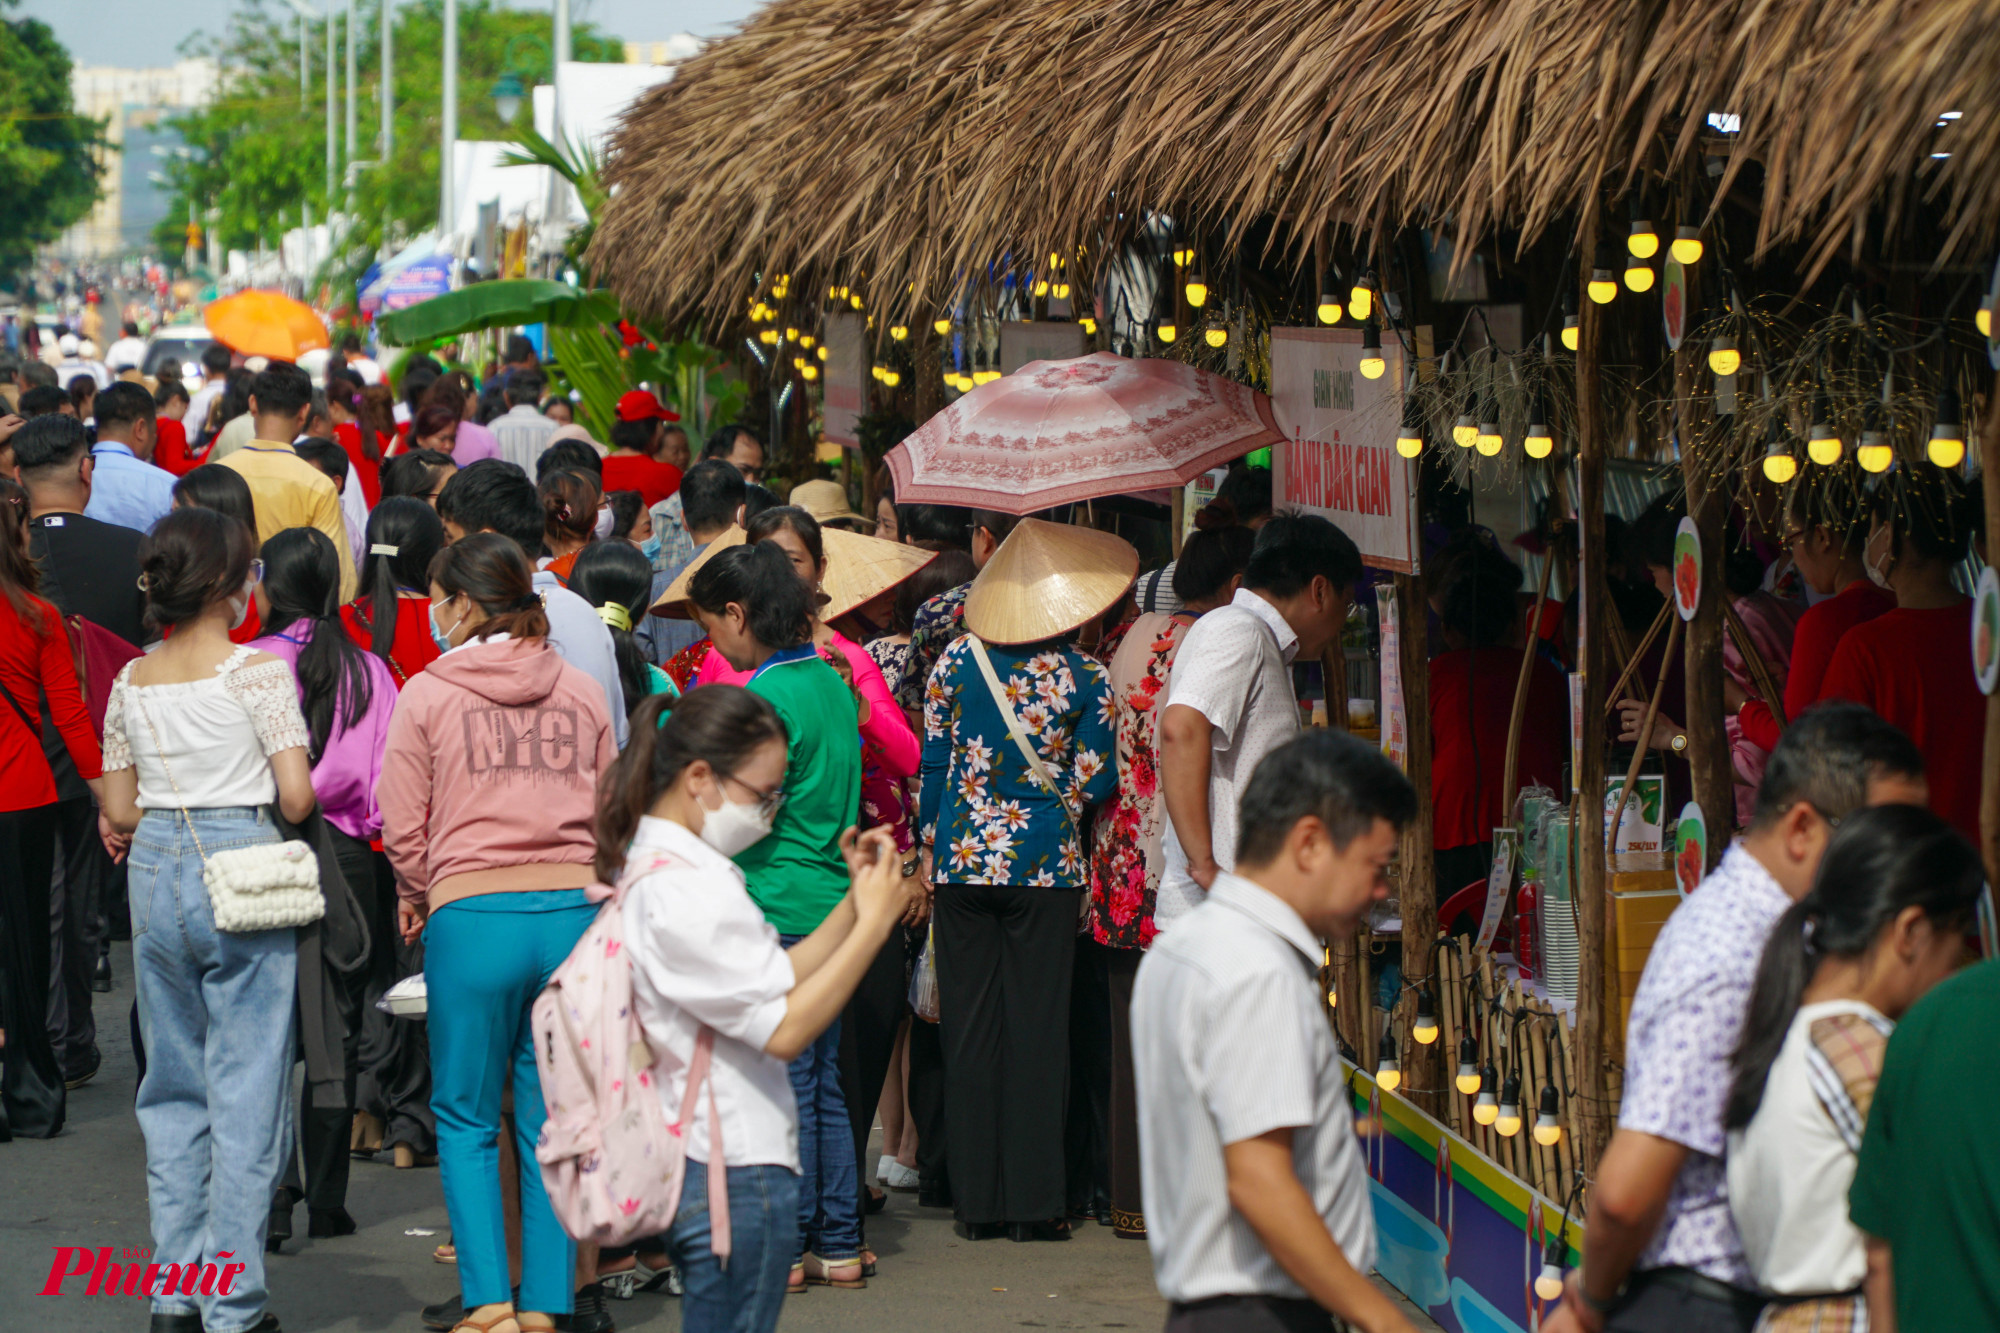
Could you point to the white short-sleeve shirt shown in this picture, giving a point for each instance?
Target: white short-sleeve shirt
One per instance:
(1229, 1041)
(702, 953)
(1234, 668)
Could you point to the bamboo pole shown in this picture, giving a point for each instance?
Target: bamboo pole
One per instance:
(1989, 789)
(1644, 741)
(1760, 670)
(1594, 1112)
(1619, 688)
(1518, 716)
(1424, 1079)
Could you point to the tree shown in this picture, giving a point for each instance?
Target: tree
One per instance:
(259, 159)
(48, 154)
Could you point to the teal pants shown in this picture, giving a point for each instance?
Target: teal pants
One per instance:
(485, 961)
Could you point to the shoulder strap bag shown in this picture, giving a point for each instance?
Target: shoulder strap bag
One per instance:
(1020, 734)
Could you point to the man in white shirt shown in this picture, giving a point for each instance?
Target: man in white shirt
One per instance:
(1258, 1213)
(128, 353)
(73, 363)
(523, 430)
(1231, 701)
(214, 379)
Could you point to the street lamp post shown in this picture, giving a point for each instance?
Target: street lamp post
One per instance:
(448, 122)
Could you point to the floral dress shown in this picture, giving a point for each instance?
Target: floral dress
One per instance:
(1126, 861)
(989, 818)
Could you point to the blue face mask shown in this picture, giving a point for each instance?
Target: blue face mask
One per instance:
(438, 636)
(650, 548)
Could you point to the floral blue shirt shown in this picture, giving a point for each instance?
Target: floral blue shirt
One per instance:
(990, 820)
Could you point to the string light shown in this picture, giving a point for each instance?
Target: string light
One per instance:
(899, 331)
(1643, 242)
(855, 300)
(1549, 1282)
(1361, 298)
(1638, 275)
(1571, 333)
(1216, 335)
(1389, 1070)
(769, 337)
(1723, 358)
(1329, 304)
(1425, 1028)
(1042, 288)
(1487, 439)
(1603, 288)
(822, 351)
(1467, 1077)
(940, 327)
(1874, 453)
(1061, 290)
(1372, 364)
(810, 371)
(1548, 1130)
(1508, 1122)
(1183, 256)
(1168, 331)
(1487, 1109)
(1538, 442)
(1089, 326)
(1779, 464)
(878, 372)
(1465, 430)
(892, 378)
(805, 340)
(1195, 290)
(791, 335)
(1982, 318)
(1687, 246)
(1822, 440)
(1947, 446)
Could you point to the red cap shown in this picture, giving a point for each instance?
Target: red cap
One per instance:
(639, 405)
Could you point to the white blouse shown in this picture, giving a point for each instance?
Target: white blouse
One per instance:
(702, 953)
(217, 734)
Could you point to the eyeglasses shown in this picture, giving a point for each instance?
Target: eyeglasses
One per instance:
(768, 802)
(256, 571)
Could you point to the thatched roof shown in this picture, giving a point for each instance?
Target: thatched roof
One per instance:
(904, 144)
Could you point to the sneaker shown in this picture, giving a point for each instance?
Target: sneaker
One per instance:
(588, 1314)
(86, 1072)
(896, 1176)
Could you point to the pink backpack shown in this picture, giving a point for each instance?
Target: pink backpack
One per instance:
(611, 1162)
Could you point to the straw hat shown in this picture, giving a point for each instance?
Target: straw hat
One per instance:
(826, 501)
(858, 570)
(1047, 579)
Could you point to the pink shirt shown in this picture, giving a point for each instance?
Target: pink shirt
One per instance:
(472, 443)
(888, 742)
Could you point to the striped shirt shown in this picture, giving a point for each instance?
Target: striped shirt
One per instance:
(523, 432)
(1229, 1042)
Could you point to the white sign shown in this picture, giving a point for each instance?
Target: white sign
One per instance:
(1043, 340)
(846, 379)
(1339, 458)
(1499, 879)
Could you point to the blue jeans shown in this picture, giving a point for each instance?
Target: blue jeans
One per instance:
(216, 1011)
(485, 961)
(830, 1187)
(763, 1223)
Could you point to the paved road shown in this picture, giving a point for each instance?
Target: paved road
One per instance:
(88, 1188)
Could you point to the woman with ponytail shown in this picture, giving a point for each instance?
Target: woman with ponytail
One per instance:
(489, 797)
(571, 503)
(703, 780)
(1883, 922)
(391, 617)
(616, 579)
(346, 696)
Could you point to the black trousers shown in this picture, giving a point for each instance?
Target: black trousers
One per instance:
(1672, 1300)
(927, 1084)
(80, 885)
(1128, 1209)
(325, 1131)
(1005, 954)
(1088, 1132)
(1249, 1314)
(32, 1098)
(393, 1062)
(868, 1044)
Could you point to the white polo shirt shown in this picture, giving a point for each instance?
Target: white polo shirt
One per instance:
(1234, 668)
(1229, 1041)
(702, 953)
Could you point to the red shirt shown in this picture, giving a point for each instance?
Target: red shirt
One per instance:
(1915, 669)
(1814, 638)
(1472, 698)
(369, 474)
(654, 480)
(171, 450)
(412, 649)
(32, 666)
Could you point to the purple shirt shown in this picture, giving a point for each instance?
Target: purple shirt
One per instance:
(344, 778)
(472, 443)
(1685, 1022)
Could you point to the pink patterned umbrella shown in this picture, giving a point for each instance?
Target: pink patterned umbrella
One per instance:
(1056, 432)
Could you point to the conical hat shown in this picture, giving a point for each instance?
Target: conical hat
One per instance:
(673, 603)
(1047, 579)
(860, 569)
(857, 569)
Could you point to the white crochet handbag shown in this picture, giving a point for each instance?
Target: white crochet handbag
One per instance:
(272, 886)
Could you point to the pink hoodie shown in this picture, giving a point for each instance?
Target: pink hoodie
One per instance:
(489, 784)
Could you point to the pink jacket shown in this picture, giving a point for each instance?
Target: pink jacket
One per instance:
(489, 784)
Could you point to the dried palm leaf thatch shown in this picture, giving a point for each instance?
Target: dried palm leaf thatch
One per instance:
(922, 148)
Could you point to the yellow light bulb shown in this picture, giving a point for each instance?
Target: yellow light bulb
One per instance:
(1360, 302)
(1946, 450)
(1982, 319)
(1061, 290)
(769, 337)
(1780, 467)
(1168, 333)
(855, 300)
(1644, 242)
(1874, 457)
(1409, 445)
(1389, 1075)
(1329, 311)
(1197, 293)
(1507, 1126)
(1539, 443)
(985, 376)
(899, 331)
(822, 351)
(1723, 358)
(940, 327)
(1824, 449)
(1183, 257)
(1467, 1080)
(791, 335)
(1372, 365)
(1548, 1284)
(876, 371)
(1089, 325)
(1464, 433)
(810, 371)
(1484, 1110)
(1548, 1133)
(1041, 289)
(892, 378)
(1425, 1030)
(1215, 337)
(805, 340)
(1570, 334)
(1687, 246)
(1601, 287)
(1487, 445)
(1639, 277)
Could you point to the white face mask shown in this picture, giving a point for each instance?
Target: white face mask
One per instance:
(734, 827)
(605, 518)
(242, 612)
(1875, 557)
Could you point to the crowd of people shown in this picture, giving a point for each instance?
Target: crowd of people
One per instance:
(944, 819)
